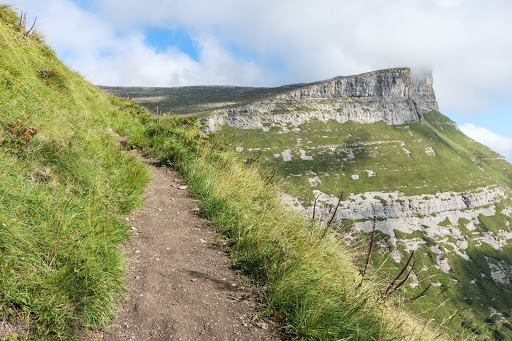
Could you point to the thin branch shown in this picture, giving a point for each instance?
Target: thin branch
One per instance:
(336, 209)
(34, 24)
(420, 295)
(402, 282)
(314, 205)
(397, 277)
(330, 210)
(369, 251)
(271, 177)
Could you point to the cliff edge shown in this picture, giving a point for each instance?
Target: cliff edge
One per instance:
(395, 96)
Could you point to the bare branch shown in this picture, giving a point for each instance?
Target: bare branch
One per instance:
(369, 251)
(34, 24)
(420, 295)
(336, 209)
(269, 180)
(314, 206)
(402, 282)
(386, 292)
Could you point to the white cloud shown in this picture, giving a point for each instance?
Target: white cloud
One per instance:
(466, 42)
(94, 47)
(499, 143)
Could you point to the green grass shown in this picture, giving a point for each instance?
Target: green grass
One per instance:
(63, 196)
(196, 99)
(468, 299)
(445, 222)
(450, 170)
(398, 157)
(308, 273)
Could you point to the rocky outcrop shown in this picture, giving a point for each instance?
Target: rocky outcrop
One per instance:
(394, 96)
(398, 205)
(422, 91)
(437, 217)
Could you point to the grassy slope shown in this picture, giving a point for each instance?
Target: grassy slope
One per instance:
(309, 278)
(195, 99)
(460, 164)
(63, 198)
(419, 173)
(62, 201)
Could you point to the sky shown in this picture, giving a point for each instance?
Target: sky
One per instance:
(466, 43)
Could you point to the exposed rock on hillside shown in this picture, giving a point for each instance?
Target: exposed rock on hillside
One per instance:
(394, 96)
(398, 205)
(436, 216)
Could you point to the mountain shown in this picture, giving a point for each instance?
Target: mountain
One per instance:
(392, 96)
(379, 138)
(69, 177)
(195, 100)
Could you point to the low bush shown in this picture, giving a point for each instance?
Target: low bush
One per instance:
(18, 136)
(52, 78)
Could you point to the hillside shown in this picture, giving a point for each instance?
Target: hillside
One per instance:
(195, 99)
(434, 190)
(380, 139)
(67, 183)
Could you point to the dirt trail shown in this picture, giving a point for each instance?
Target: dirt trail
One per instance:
(182, 286)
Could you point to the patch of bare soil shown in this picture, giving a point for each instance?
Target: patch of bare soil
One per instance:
(18, 328)
(182, 284)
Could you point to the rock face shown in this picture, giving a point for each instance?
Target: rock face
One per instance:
(398, 205)
(394, 96)
(436, 216)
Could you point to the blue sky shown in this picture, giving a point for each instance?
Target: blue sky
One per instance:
(268, 43)
(161, 38)
(498, 117)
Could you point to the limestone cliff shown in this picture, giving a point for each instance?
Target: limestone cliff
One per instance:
(435, 216)
(394, 96)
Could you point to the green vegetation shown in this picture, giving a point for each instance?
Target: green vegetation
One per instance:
(382, 200)
(420, 159)
(310, 280)
(463, 292)
(416, 159)
(396, 154)
(402, 160)
(65, 185)
(194, 100)
(445, 222)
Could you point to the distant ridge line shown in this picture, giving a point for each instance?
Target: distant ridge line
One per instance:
(201, 99)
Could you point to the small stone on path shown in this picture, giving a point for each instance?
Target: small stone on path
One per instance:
(262, 325)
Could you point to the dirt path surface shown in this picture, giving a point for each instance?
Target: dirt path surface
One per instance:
(182, 286)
